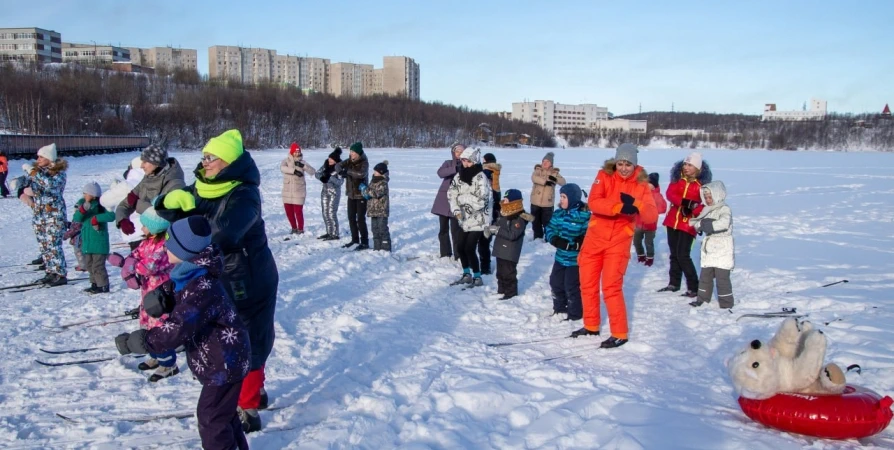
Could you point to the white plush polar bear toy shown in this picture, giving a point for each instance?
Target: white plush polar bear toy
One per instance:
(791, 362)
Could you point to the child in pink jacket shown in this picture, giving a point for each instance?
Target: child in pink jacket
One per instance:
(150, 265)
(646, 231)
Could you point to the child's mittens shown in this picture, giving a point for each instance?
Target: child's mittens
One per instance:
(158, 302)
(491, 230)
(116, 260)
(364, 191)
(95, 223)
(706, 226)
(128, 343)
(126, 226)
(132, 199)
(564, 244)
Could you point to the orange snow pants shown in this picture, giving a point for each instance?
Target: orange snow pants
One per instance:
(606, 267)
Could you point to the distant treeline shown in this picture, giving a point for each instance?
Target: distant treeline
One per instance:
(836, 132)
(181, 110)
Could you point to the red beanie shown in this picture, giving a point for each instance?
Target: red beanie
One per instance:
(295, 147)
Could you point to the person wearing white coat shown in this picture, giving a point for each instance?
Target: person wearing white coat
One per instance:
(718, 249)
(294, 186)
(469, 197)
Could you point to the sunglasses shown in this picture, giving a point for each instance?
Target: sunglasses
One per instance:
(209, 158)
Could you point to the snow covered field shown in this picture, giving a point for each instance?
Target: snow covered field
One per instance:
(377, 351)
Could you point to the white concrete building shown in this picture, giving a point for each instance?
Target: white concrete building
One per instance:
(94, 53)
(30, 44)
(557, 117)
(625, 125)
(165, 57)
(817, 111)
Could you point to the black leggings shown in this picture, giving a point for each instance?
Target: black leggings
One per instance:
(680, 244)
(468, 246)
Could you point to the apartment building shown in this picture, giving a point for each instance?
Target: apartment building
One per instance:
(246, 65)
(817, 111)
(315, 74)
(94, 53)
(558, 117)
(287, 70)
(30, 44)
(400, 76)
(625, 125)
(165, 58)
(352, 80)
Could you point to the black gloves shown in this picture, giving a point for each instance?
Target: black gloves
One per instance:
(324, 178)
(627, 201)
(132, 342)
(300, 164)
(343, 172)
(158, 302)
(299, 172)
(564, 244)
(686, 206)
(550, 180)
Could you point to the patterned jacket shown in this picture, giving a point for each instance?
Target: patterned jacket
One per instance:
(48, 184)
(154, 269)
(294, 185)
(378, 205)
(93, 241)
(469, 198)
(718, 248)
(541, 194)
(205, 321)
(357, 173)
(570, 225)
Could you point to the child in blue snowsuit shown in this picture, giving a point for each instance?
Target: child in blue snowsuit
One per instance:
(566, 231)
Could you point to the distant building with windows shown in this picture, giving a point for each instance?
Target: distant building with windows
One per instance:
(399, 77)
(558, 117)
(30, 44)
(625, 125)
(352, 80)
(94, 53)
(165, 58)
(817, 111)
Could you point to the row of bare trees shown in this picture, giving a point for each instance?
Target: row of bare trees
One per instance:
(181, 110)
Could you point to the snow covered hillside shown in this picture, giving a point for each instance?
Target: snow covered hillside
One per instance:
(377, 351)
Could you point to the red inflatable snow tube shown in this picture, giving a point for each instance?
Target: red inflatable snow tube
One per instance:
(857, 413)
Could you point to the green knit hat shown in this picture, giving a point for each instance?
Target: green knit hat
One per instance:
(227, 146)
(357, 147)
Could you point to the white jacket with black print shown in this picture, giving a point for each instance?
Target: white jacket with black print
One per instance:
(716, 223)
(470, 199)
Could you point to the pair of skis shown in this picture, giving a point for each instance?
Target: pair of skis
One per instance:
(542, 341)
(25, 287)
(146, 417)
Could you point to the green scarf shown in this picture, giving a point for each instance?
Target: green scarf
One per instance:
(208, 188)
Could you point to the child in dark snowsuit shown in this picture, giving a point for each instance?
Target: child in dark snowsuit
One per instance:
(94, 221)
(201, 317)
(509, 231)
(565, 232)
(378, 206)
(492, 172)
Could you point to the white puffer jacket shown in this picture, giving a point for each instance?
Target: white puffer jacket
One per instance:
(470, 202)
(716, 222)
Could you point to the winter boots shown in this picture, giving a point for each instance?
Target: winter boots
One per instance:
(149, 364)
(163, 372)
(689, 294)
(641, 259)
(465, 279)
(94, 289)
(476, 282)
(612, 342)
(649, 261)
(669, 288)
(250, 419)
(583, 332)
(55, 280)
(37, 261)
(265, 400)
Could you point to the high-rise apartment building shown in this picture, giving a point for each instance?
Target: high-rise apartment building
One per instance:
(559, 117)
(30, 44)
(400, 76)
(247, 65)
(94, 53)
(352, 80)
(165, 58)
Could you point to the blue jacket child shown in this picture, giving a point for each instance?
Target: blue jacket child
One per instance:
(201, 317)
(566, 231)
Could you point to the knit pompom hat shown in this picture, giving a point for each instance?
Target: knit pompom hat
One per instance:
(227, 146)
(336, 155)
(188, 237)
(382, 167)
(153, 222)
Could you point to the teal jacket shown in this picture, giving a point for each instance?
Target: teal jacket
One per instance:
(570, 225)
(93, 241)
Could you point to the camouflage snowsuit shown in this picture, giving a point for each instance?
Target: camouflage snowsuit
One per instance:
(378, 211)
(48, 222)
(330, 195)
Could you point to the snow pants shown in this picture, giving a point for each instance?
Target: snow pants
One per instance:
(680, 246)
(219, 424)
(604, 267)
(564, 282)
(507, 277)
(357, 220)
(639, 236)
(724, 286)
(96, 267)
(381, 234)
(329, 199)
(484, 254)
(4, 191)
(49, 228)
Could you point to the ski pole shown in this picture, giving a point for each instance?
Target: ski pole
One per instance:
(833, 284)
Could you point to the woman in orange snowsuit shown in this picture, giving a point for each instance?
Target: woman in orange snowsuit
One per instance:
(620, 192)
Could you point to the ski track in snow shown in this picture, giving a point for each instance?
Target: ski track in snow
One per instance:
(375, 351)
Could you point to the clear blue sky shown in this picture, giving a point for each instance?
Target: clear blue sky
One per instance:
(721, 56)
